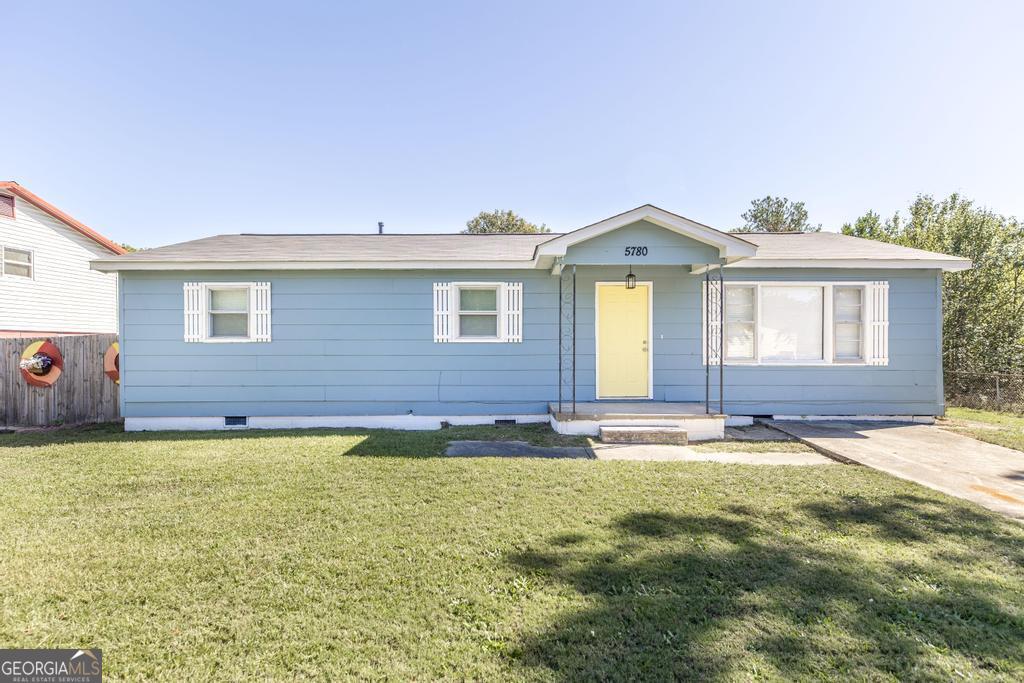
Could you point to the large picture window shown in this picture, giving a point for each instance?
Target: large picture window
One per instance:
(806, 323)
(791, 323)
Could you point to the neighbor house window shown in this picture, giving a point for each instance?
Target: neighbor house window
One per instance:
(17, 262)
(478, 311)
(227, 312)
(6, 206)
(776, 323)
(848, 313)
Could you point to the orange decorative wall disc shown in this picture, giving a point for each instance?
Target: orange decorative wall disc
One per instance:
(41, 364)
(112, 362)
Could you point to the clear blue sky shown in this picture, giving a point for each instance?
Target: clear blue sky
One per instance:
(156, 124)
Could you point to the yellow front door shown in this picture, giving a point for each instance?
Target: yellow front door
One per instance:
(623, 343)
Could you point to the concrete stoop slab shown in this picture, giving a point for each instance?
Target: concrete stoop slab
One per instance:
(654, 435)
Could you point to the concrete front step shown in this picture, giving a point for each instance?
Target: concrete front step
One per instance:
(663, 435)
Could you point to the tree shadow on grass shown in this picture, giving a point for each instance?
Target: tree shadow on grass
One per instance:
(735, 594)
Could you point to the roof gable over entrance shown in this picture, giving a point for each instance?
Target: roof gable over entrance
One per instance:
(729, 247)
(644, 243)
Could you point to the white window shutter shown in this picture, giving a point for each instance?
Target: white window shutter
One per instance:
(712, 319)
(878, 324)
(195, 322)
(442, 312)
(260, 294)
(513, 292)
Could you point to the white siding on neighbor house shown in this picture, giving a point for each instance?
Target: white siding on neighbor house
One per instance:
(64, 295)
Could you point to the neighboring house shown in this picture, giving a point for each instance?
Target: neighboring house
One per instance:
(412, 330)
(46, 285)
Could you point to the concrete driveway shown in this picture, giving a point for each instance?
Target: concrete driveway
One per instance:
(989, 475)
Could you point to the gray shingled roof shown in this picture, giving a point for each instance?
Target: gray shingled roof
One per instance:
(829, 245)
(481, 248)
(453, 247)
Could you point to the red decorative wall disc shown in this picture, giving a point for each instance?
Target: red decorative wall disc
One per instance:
(41, 364)
(112, 363)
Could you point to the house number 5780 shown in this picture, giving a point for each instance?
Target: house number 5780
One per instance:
(636, 251)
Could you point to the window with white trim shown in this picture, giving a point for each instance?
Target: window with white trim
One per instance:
(740, 323)
(791, 326)
(806, 323)
(17, 262)
(478, 312)
(227, 311)
(848, 317)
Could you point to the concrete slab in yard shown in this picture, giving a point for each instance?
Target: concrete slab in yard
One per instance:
(989, 475)
(512, 449)
(756, 432)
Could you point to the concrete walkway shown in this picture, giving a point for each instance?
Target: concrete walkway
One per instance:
(512, 449)
(611, 451)
(989, 475)
(606, 451)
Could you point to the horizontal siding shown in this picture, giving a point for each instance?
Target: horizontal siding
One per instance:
(164, 408)
(343, 343)
(348, 343)
(65, 295)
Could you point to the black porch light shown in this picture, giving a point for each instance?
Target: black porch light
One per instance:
(631, 279)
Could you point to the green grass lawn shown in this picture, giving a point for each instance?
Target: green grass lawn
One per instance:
(1003, 429)
(283, 555)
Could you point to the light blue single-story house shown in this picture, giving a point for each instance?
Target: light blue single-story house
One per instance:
(645, 318)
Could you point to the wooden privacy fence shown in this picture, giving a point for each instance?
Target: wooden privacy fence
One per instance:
(83, 393)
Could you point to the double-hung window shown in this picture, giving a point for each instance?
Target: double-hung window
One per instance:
(227, 311)
(740, 322)
(17, 262)
(848, 317)
(804, 323)
(478, 312)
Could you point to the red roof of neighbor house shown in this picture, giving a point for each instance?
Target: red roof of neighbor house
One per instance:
(43, 205)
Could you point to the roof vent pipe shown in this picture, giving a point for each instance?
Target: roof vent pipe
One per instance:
(380, 227)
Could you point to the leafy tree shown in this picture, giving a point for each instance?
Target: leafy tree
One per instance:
(983, 308)
(870, 226)
(127, 247)
(498, 221)
(776, 214)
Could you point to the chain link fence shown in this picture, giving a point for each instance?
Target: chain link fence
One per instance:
(986, 390)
